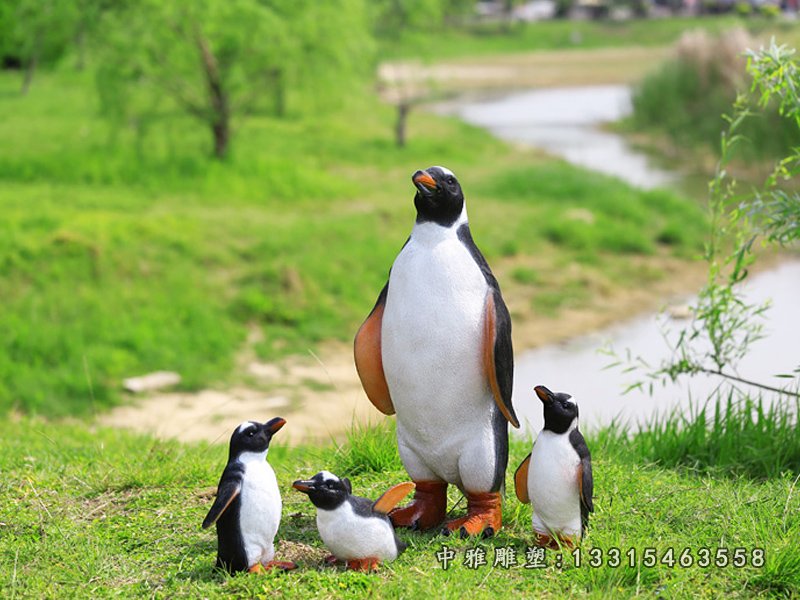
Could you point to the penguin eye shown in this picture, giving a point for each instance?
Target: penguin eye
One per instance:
(251, 433)
(451, 180)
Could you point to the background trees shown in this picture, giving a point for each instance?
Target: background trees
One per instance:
(219, 61)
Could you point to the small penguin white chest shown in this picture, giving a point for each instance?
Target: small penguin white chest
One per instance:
(260, 508)
(553, 484)
(431, 345)
(350, 536)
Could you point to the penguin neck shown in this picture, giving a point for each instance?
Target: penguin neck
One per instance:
(326, 504)
(253, 458)
(432, 233)
(560, 427)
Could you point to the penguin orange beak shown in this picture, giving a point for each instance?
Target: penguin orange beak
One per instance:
(302, 486)
(275, 425)
(424, 182)
(544, 394)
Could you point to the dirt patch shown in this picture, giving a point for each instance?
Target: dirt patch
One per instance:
(525, 70)
(320, 395)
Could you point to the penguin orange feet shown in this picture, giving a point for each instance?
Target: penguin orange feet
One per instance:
(428, 508)
(363, 564)
(548, 541)
(331, 560)
(273, 564)
(484, 516)
(281, 565)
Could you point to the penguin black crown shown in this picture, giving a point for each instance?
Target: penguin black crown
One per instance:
(247, 510)
(356, 530)
(439, 197)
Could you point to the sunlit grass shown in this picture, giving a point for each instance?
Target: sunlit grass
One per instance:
(725, 434)
(104, 513)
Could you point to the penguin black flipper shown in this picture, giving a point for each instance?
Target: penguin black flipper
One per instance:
(585, 479)
(392, 497)
(230, 486)
(498, 353)
(521, 480)
(369, 360)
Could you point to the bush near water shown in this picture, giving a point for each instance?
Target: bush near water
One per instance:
(687, 97)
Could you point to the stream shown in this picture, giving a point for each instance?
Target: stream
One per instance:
(566, 122)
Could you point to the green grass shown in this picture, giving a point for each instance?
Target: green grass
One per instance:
(120, 254)
(101, 513)
(490, 39)
(735, 435)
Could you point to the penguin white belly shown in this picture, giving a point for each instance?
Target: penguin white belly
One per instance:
(431, 345)
(553, 485)
(259, 512)
(350, 536)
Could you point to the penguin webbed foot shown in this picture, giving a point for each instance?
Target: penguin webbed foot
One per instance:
(331, 561)
(363, 564)
(484, 516)
(427, 510)
(555, 542)
(280, 565)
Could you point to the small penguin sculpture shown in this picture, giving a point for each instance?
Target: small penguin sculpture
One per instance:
(356, 530)
(556, 477)
(247, 510)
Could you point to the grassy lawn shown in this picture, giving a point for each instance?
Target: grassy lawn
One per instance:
(101, 513)
(123, 254)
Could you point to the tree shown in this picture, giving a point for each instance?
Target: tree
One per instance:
(724, 324)
(38, 31)
(223, 59)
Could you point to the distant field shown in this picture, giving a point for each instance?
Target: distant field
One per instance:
(117, 262)
(123, 253)
(563, 35)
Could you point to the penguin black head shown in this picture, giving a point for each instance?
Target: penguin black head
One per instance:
(253, 437)
(439, 197)
(559, 412)
(325, 490)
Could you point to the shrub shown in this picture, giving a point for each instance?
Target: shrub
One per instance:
(687, 96)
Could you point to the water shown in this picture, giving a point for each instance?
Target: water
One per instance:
(578, 366)
(566, 123)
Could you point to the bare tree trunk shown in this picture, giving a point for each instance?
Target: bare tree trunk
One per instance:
(403, 109)
(219, 120)
(30, 69)
(221, 131)
(80, 42)
(32, 63)
(280, 91)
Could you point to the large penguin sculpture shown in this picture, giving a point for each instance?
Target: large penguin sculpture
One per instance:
(355, 529)
(556, 477)
(247, 510)
(436, 350)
